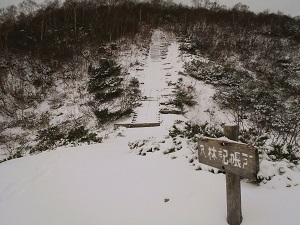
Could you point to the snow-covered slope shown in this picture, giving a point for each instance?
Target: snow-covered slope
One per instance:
(109, 184)
(112, 183)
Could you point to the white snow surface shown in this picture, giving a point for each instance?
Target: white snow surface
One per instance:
(109, 184)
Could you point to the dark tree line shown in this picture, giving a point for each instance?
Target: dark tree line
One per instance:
(59, 31)
(55, 30)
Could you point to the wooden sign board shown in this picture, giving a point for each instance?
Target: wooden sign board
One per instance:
(233, 157)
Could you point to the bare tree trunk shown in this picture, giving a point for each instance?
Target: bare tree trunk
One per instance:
(75, 22)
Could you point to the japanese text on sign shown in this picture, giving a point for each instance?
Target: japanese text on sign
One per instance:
(236, 159)
(233, 157)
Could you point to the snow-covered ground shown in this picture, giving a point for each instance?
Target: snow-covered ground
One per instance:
(109, 183)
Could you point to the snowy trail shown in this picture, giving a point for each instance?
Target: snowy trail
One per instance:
(148, 113)
(153, 80)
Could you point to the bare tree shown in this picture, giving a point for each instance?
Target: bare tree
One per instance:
(28, 7)
(7, 20)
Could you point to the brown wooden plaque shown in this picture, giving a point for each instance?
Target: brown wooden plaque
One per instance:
(233, 157)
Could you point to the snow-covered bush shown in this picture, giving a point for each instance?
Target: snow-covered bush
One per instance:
(144, 146)
(192, 131)
(214, 74)
(132, 94)
(105, 75)
(107, 84)
(55, 136)
(266, 104)
(184, 95)
(105, 115)
(13, 145)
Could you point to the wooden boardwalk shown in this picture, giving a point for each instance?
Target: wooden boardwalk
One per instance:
(148, 114)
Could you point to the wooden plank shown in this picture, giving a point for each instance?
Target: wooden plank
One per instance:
(234, 199)
(233, 157)
(136, 125)
(233, 185)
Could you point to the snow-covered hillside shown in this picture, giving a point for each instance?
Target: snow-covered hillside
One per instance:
(142, 175)
(108, 184)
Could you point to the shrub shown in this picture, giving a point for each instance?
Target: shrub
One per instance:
(134, 82)
(253, 136)
(185, 95)
(108, 96)
(281, 151)
(103, 76)
(76, 134)
(81, 134)
(215, 74)
(50, 135)
(133, 92)
(192, 131)
(16, 155)
(56, 136)
(104, 115)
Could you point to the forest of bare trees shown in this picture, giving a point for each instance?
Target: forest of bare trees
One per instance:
(59, 31)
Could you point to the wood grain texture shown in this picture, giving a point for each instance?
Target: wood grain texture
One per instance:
(233, 157)
(234, 201)
(233, 185)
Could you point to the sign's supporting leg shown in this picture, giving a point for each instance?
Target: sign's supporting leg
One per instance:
(233, 185)
(234, 207)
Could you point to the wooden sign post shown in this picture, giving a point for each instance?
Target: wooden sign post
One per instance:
(237, 160)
